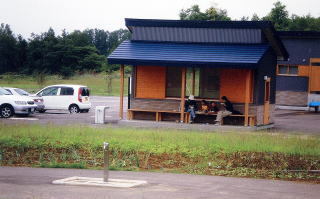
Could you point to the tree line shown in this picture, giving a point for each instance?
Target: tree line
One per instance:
(65, 54)
(81, 51)
(279, 15)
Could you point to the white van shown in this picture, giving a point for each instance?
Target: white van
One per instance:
(74, 98)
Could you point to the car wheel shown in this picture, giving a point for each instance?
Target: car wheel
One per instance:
(74, 109)
(41, 111)
(6, 111)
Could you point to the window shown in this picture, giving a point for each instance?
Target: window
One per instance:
(173, 82)
(315, 64)
(66, 91)
(9, 91)
(21, 92)
(189, 85)
(288, 70)
(51, 91)
(85, 91)
(209, 83)
(4, 92)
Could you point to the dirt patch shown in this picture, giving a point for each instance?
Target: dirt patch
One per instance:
(241, 164)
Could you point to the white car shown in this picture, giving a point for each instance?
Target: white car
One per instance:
(13, 104)
(74, 98)
(37, 100)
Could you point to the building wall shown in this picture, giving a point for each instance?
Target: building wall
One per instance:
(150, 82)
(315, 78)
(197, 35)
(301, 50)
(292, 90)
(292, 98)
(155, 104)
(233, 84)
(292, 83)
(267, 67)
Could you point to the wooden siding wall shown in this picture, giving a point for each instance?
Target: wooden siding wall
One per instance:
(315, 78)
(314, 75)
(233, 84)
(150, 82)
(303, 71)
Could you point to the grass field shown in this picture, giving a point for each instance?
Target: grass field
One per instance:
(96, 82)
(234, 154)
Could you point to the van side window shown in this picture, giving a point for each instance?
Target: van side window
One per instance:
(66, 91)
(52, 91)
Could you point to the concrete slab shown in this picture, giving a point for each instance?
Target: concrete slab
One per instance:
(293, 108)
(86, 181)
(184, 126)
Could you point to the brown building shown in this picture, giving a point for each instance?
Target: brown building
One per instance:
(298, 78)
(172, 59)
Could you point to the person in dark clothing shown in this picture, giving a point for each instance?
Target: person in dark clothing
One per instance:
(225, 110)
(214, 107)
(190, 106)
(229, 105)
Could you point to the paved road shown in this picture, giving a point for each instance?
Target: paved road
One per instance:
(36, 183)
(285, 121)
(64, 117)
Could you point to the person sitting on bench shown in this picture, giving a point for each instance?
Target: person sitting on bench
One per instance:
(191, 107)
(204, 106)
(225, 109)
(214, 107)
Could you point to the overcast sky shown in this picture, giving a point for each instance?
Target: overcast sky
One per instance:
(27, 16)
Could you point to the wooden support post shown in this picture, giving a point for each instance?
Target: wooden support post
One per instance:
(183, 93)
(247, 99)
(121, 90)
(310, 76)
(193, 81)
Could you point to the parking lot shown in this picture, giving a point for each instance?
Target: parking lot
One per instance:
(285, 121)
(59, 117)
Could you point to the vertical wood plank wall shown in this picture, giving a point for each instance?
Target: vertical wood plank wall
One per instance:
(150, 82)
(315, 78)
(233, 84)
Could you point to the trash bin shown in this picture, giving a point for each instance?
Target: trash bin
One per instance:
(100, 114)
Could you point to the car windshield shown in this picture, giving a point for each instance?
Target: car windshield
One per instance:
(4, 92)
(21, 92)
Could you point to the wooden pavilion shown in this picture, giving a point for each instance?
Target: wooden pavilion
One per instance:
(172, 59)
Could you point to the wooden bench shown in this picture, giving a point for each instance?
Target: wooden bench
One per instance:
(251, 117)
(157, 112)
(186, 115)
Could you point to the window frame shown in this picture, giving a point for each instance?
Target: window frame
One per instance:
(288, 70)
(66, 87)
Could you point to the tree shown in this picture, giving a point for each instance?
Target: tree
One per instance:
(8, 50)
(279, 15)
(255, 17)
(304, 23)
(212, 13)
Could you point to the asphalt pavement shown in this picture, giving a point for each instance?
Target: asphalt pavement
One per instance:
(286, 121)
(35, 183)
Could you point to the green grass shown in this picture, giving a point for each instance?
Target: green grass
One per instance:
(96, 82)
(257, 155)
(155, 141)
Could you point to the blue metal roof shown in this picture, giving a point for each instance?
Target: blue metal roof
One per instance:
(182, 54)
